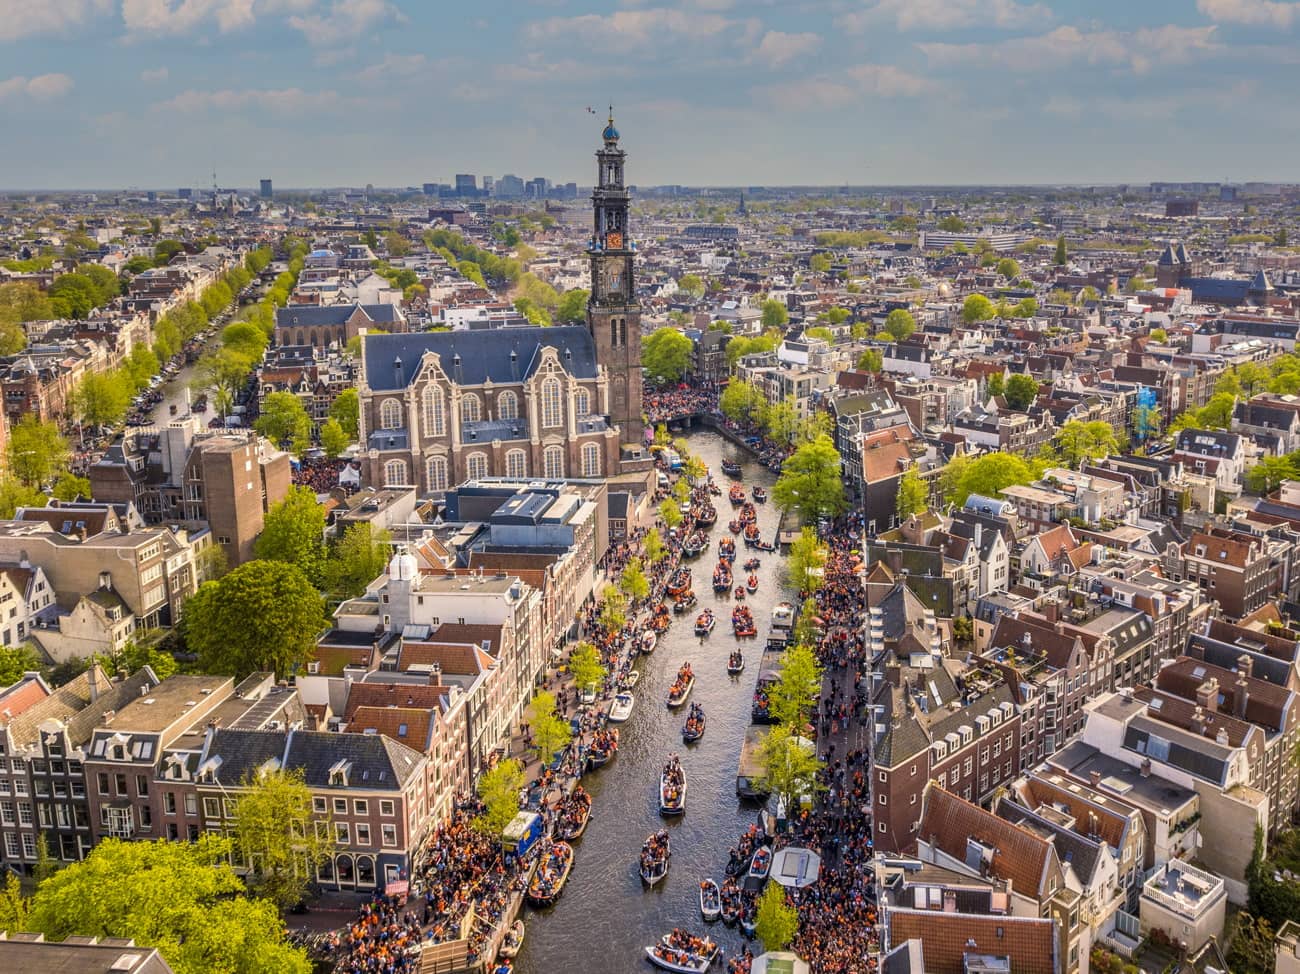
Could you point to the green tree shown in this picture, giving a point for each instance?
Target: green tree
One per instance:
(691, 284)
(1266, 475)
(71, 488)
(263, 615)
(245, 338)
(180, 897)
(15, 909)
(739, 400)
(1008, 268)
(807, 562)
(284, 420)
(586, 667)
(825, 334)
(670, 513)
(654, 547)
(613, 613)
(277, 835)
(499, 790)
(165, 250)
(1159, 335)
(790, 766)
(1059, 258)
(356, 559)
(837, 315)
(952, 224)
(793, 697)
(988, 475)
(332, 438)
(1254, 949)
(223, 372)
(15, 494)
(963, 630)
(913, 495)
(38, 453)
(73, 295)
(900, 324)
(1021, 390)
(871, 360)
(136, 656)
(810, 481)
(346, 408)
(819, 263)
(572, 309)
(17, 660)
(777, 921)
(1082, 442)
(775, 314)
(1137, 284)
(101, 398)
(551, 733)
(633, 582)
(976, 308)
(782, 421)
(666, 355)
(293, 531)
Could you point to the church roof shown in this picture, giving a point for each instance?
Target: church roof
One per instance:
(483, 354)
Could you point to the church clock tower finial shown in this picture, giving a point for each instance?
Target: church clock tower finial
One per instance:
(613, 314)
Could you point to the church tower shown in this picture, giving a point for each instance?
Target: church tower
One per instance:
(613, 315)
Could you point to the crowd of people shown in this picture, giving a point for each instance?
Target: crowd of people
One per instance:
(322, 475)
(667, 405)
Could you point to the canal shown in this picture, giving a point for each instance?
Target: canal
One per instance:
(605, 918)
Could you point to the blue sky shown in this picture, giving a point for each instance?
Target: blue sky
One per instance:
(155, 93)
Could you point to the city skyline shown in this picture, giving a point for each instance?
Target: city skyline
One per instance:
(156, 93)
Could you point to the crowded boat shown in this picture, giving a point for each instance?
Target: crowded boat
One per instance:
(603, 746)
(736, 495)
(656, 851)
(722, 577)
(683, 952)
(672, 788)
(759, 494)
(680, 582)
(742, 622)
(727, 549)
(704, 623)
(735, 662)
(731, 468)
(693, 729)
(551, 875)
(681, 688)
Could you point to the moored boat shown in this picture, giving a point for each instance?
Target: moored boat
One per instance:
(681, 961)
(708, 516)
(679, 582)
(573, 812)
(682, 685)
(631, 679)
(761, 863)
(649, 639)
(710, 900)
(514, 939)
(621, 709)
(672, 788)
(684, 602)
(731, 468)
(602, 749)
(551, 875)
(732, 904)
(694, 546)
(656, 852)
(740, 593)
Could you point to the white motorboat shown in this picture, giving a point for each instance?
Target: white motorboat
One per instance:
(621, 709)
(649, 639)
(682, 961)
(631, 679)
(710, 900)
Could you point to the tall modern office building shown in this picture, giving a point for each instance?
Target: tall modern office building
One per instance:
(266, 189)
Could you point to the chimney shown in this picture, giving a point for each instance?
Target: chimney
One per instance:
(1094, 778)
(1198, 721)
(1207, 696)
(92, 678)
(1245, 665)
(1052, 611)
(1241, 697)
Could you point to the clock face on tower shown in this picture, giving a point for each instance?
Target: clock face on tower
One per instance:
(614, 240)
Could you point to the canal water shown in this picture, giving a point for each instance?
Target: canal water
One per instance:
(605, 917)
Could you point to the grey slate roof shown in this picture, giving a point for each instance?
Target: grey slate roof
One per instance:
(310, 315)
(483, 354)
(377, 763)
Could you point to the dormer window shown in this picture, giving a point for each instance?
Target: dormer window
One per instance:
(339, 774)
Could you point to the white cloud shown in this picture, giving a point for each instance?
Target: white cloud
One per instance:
(947, 15)
(845, 87)
(1253, 13)
(777, 47)
(535, 69)
(277, 100)
(170, 17)
(24, 18)
(625, 30)
(154, 75)
(344, 20)
(40, 88)
(392, 67)
(1138, 50)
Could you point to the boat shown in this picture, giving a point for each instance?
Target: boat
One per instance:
(672, 788)
(601, 751)
(693, 730)
(705, 622)
(656, 852)
(751, 583)
(684, 602)
(710, 900)
(714, 489)
(752, 538)
(735, 663)
(759, 494)
(742, 622)
(783, 615)
(730, 901)
(684, 961)
(731, 468)
(740, 593)
(761, 863)
(551, 875)
(514, 939)
(727, 549)
(681, 688)
(722, 577)
(621, 709)
(736, 495)
(751, 565)
(631, 679)
(749, 919)
(572, 813)
(708, 516)
(649, 639)
(735, 525)
(694, 546)
(680, 582)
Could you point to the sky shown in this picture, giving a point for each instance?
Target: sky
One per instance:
(323, 93)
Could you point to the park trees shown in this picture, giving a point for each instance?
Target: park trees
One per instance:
(294, 532)
(498, 790)
(810, 481)
(263, 615)
(666, 355)
(275, 833)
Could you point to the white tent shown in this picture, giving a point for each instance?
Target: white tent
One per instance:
(779, 962)
(795, 867)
